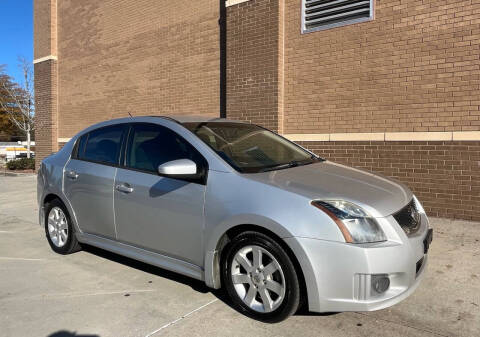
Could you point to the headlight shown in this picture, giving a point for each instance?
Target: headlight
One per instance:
(356, 225)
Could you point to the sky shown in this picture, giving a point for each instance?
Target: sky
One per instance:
(16, 34)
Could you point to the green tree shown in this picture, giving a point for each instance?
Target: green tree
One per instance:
(7, 127)
(18, 101)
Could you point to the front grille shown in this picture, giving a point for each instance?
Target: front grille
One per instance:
(408, 218)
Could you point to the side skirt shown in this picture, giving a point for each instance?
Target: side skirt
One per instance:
(143, 255)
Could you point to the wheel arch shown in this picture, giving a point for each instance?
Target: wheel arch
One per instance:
(48, 197)
(214, 258)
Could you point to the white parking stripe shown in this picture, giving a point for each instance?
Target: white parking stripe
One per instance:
(19, 259)
(179, 319)
(77, 294)
(102, 293)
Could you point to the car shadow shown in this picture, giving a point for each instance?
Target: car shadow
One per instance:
(305, 312)
(65, 333)
(196, 285)
(165, 186)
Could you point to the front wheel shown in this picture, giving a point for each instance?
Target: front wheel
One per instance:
(260, 278)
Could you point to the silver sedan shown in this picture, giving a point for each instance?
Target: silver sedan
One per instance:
(240, 207)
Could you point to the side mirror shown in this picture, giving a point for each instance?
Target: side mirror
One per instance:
(181, 168)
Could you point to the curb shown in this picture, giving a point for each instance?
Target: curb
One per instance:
(16, 174)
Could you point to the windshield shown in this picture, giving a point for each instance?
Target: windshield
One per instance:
(249, 148)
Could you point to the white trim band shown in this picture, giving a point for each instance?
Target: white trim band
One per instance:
(375, 136)
(386, 136)
(46, 58)
(229, 3)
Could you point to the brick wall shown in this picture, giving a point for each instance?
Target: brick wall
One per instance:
(144, 57)
(45, 109)
(444, 175)
(45, 21)
(414, 68)
(46, 85)
(253, 62)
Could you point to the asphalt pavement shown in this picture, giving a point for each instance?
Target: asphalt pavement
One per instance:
(95, 293)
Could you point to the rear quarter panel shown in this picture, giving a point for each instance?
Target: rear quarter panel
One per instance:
(50, 179)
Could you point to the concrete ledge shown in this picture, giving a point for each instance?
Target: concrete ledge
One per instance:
(418, 136)
(357, 136)
(308, 137)
(466, 135)
(375, 136)
(46, 58)
(386, 136)
(229, 3)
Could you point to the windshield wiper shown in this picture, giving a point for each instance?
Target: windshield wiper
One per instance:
(293, 163)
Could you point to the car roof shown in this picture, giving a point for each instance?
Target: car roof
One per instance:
(189, 119)
(178, 119)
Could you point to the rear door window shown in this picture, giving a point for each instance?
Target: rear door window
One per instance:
(103, 145)
(80, 148)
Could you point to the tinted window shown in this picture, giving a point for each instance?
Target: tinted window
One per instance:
(79, 151)
(152, 145)
(250, 148)
(103, 145)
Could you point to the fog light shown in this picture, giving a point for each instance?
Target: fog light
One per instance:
(380, 283)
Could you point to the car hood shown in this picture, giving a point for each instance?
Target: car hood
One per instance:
(378, 195)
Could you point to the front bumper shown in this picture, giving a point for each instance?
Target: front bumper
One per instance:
(338, 275)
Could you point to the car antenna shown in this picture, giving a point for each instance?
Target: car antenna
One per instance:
(130, 114)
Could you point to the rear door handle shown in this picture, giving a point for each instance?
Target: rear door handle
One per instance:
(72, 175)
(125, 188)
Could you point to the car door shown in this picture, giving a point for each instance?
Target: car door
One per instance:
(89, 178)
(160, 214)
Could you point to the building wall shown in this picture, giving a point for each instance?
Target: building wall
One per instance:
(46, 127)
(46, 75)
(144, 57)
(253, 62)
(445, 175)
(45, 24)
(397, 95)
(415, 67)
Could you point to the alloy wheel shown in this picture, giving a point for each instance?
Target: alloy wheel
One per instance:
(258, 279)
(57, 227)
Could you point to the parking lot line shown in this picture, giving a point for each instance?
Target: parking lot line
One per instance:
(78, 294)
(179, 319)
(19, 259)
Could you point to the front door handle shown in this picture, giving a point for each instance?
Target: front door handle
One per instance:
(125, 188)
(72, 175)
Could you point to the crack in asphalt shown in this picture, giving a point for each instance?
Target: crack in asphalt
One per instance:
(403, 323)
(181, 318)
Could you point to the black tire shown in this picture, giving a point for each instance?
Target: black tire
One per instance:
(71, 245)
(291, 300)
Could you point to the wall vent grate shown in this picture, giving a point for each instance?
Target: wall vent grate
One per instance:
(324, 14)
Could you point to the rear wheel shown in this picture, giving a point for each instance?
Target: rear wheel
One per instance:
(59, 229)
(260, 277)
